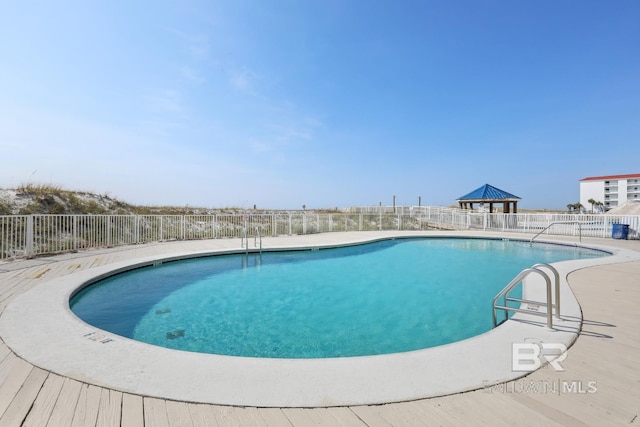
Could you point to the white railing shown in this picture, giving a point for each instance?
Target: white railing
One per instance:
(24, 236)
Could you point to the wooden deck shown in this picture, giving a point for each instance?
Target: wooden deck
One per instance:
(600, 386)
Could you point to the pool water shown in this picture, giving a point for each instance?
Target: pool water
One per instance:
(378, 298)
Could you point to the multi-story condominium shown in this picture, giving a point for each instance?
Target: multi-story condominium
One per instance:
(610, 190)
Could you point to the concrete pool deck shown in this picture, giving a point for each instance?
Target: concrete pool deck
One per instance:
(71, 390)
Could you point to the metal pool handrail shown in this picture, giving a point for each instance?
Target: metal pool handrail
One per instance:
(556, 284)
(256, 237)
(244, 242)
(504, 292)
(560, 222)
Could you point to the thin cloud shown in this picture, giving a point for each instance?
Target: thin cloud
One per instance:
(192, 75)
(197, 45)
(294, 127)
(165, 100)
(243, 80)
(291, 133)
(260, 147)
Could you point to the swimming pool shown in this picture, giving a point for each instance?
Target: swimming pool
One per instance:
(40, 328)
(378, 298)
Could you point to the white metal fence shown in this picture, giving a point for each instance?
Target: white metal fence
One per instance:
(32, 235)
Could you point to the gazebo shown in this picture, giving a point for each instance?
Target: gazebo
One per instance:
(491, 195)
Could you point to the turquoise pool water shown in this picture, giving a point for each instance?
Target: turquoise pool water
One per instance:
(384, 297)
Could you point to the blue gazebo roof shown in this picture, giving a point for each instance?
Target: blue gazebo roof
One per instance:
(488, 193)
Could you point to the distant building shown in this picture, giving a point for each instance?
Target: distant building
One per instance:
(610, 190)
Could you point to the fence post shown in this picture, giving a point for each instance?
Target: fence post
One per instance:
(28, 238)
(213, 226)
(136, 231)
(109, 219)
(274, 225)
(75, 232)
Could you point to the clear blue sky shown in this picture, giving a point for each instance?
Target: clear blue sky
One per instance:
(318, 102)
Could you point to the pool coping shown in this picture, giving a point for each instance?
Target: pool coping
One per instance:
(36, 328)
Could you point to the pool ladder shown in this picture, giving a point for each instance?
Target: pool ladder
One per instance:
(537, 269)
(257, 239)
